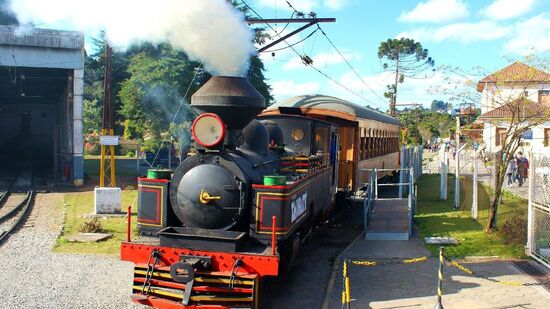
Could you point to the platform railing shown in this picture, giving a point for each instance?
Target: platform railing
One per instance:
(408, 187)
(368, 201)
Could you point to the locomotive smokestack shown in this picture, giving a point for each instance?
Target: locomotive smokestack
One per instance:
(233, 99)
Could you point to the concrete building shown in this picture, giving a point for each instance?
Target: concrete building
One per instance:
(515, 86)
(41, 87)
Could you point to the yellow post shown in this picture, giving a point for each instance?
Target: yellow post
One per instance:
(112, 165)
(102, 164)
(403, 135)
(107, 169)
(346, 294)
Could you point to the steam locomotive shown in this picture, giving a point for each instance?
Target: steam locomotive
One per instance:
(238, 209)
(235, 211)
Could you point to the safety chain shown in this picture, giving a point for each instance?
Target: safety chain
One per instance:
(146, 288)
(390, 262)
(471, 272)
(234, 270)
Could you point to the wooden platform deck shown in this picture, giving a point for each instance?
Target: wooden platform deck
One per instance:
(389, 220)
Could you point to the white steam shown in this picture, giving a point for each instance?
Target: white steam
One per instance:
(210, 31)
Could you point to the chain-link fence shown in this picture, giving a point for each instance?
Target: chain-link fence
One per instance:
(538, 242)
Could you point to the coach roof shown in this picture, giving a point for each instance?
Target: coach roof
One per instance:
(329, 103)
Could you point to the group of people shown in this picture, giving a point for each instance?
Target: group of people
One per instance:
(517, 169)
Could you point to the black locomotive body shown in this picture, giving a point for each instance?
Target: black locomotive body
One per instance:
(220, 204)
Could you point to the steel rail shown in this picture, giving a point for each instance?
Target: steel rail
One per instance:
(24, 206)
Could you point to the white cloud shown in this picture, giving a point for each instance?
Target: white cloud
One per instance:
(436, 11)
(462, 32)
(289, 88)
(504, 9)
(522, 37)
(335, 4)
(321, 60)
(530, 35)
(411, 91)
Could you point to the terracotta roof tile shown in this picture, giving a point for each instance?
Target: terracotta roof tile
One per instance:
(515, 72)
(523, 107)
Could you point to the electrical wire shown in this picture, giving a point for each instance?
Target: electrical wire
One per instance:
(349, 65)
(295, 43)
(299, 55)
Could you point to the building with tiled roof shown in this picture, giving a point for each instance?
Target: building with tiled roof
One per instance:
(516, 91)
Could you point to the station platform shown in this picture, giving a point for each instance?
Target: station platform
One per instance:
(389, 220)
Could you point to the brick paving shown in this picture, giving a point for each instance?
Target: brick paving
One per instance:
(414, 285)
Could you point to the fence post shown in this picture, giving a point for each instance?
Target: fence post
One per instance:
(411, 215)
(457, 178)
(420, 162)
(532, 167)
(443, 173)
(474, 185)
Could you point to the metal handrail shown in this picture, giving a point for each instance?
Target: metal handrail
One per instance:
(372, 194)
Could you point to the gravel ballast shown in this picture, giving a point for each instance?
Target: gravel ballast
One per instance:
(34, 277)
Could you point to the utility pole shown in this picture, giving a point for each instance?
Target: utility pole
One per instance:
(107, 139)
(308, 23)
(457, 163)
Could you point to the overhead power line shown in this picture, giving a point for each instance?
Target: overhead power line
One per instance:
(301, 56)
(349, 65)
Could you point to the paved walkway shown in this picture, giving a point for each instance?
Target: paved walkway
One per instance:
(414, 285)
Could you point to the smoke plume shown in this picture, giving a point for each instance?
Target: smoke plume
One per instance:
(210, 31)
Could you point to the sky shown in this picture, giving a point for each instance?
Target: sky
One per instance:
(458, 33)
(466, 34)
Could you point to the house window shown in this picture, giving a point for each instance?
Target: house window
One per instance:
(526, 93)
(544, 97)
(500, 136)
(547, 137)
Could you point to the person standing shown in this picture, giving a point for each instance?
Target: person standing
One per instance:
(523, 168)
(510, 170)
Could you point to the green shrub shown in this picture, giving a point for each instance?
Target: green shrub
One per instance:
(92, 225)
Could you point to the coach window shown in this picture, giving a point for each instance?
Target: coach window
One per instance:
(298, 134)
(321, 140)
(546, 137)
(361, 144)
(385, 142)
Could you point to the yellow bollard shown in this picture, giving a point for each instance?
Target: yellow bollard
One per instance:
(346, 294)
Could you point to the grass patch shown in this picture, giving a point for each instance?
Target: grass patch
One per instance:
(78, 204)
(437, 218)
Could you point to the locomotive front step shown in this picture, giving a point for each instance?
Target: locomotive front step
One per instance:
(220, 289)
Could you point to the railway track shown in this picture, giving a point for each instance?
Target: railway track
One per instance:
(14, 209)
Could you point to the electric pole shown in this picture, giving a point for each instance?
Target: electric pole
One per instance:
(107, 139)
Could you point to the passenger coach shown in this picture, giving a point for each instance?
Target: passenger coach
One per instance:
(368, 139)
